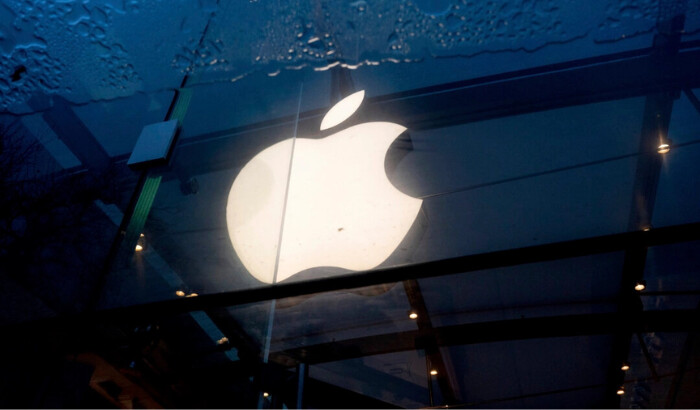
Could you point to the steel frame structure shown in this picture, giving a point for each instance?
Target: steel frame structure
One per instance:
(659, 73)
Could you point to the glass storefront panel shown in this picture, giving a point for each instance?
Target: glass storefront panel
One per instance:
(420, 195)
(366, 204)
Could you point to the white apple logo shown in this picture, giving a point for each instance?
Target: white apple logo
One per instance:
(334, 202)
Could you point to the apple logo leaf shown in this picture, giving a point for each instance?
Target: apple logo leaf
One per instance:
(342, 110)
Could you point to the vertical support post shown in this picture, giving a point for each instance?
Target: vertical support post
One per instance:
(434, 356)
(428, 365)
(139, 207)
(657, 115)
(302, 374)
(657, 112)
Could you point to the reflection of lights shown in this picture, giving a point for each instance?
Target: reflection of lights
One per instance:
(640, 285)
(180, 293)
(191, 295)
(266, 394)
(331, 202)
(620, 391)
(140, 243)
(625, 367)
(433, 372)
(663, 148)
(413, 315)
(222, 341)
(647, 228)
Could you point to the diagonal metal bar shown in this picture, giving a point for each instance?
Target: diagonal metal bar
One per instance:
(647, 356)
(616, 76)
(596, 79)
(487, 332)
(73, 132)
(693, 99)
(462, 264)
(681, 368)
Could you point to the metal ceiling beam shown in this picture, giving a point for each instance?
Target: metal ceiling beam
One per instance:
(462, 264)
(615, 80)
(599, 79)
(71, 130)
(611, 77)
(654, 131)
(604, 78)
(497, 331)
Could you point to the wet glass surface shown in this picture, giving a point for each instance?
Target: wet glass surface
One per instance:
(484, 126)
(481, 186)
(89, 51)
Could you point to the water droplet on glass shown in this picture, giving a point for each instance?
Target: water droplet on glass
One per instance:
(82, 29)
(453, 21)
(99, 32)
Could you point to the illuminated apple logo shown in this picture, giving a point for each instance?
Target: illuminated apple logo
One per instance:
(329, 200)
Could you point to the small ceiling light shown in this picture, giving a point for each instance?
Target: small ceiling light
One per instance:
(141, 236)
(625, 367)
(180, 293)
(222, 341)
(620, 391)
(138, 248)
(433, 372)
(266, 394)
(413, 315)
(663, 148)
(640, 285)
(192, 295)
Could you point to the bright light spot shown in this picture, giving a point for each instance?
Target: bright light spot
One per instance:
(341, 209)
(433, 372)
(342, 110)
(192, 295)
(646, 228)
(141, 236)
(663, 148)
(413, 315)
(138, 248)
(625, 367)
(620, 391)
(221, 341)
(266, 394)
(640, 286)
(180, 293)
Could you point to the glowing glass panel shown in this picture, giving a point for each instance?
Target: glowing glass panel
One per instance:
(340, 208)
